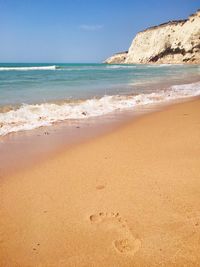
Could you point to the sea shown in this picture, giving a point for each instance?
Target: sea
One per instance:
(41, 94)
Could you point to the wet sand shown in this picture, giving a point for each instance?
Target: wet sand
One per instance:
(128, 198)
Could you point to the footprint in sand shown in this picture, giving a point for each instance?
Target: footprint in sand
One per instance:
(100, 187)
(127, 244)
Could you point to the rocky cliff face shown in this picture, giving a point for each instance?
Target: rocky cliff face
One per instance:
(118, 58)
(172, 42)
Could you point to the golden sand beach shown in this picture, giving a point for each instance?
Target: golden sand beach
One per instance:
(127, 198)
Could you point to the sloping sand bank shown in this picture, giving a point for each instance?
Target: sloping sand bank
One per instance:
(128, 198)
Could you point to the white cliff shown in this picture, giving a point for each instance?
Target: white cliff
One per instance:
(117, 58)
(172, 42)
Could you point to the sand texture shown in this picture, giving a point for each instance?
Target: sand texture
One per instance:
(128, 198)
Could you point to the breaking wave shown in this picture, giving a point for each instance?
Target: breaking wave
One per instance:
(28, 117)
(28, 68)
(163, 65)
(121, 67)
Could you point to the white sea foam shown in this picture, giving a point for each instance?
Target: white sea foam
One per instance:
(120, 67)
(28, 68)
(28, 117)
(107, 67)
(163, 65)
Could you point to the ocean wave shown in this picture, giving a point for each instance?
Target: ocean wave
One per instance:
(120, 67)
(28, 68)
(28, 117)
(163, 65)
(76, 69)
(93, 68)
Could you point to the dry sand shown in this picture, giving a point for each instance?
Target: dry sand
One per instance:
(128, 198)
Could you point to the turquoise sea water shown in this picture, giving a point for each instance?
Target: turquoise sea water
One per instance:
(34, 95)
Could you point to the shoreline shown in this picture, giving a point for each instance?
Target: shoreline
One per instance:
(26, 149)
(128, 197)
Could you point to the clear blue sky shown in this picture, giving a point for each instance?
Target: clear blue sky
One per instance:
(79, 30)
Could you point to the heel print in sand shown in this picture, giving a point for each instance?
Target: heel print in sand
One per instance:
(127, 244)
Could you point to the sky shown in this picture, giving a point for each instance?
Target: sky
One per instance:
(79, 30)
